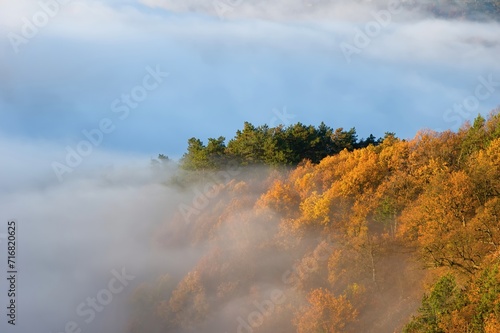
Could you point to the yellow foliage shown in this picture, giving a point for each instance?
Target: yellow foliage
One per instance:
(326, 313)
(492, 324)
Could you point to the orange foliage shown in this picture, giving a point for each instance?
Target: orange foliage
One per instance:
(282, 198)
(326, 313)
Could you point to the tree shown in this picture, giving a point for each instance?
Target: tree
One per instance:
(475, 138)
(326, 313)
(249, 145)
(439, 221)
(196, 157)
(442, 301)
(343, 140)
(216, 152)
(189, 303)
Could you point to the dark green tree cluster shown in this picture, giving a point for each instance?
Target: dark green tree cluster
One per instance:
(474, 308)
(442, 301)
(275, 146)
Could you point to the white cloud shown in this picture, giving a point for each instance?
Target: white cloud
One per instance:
(28, 164)
(464, 45)
(325, 24)
(280, 10)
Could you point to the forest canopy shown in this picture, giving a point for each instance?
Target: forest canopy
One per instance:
(273, 146)
(375, 235)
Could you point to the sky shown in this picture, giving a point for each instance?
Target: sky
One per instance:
(64, 64)
(90, 91)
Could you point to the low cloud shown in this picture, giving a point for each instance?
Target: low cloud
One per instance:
(87, 238)
(279, 10)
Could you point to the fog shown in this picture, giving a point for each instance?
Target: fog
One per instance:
(114, 227)
(72, 235)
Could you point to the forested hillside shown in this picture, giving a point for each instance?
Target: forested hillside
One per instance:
(376, 235)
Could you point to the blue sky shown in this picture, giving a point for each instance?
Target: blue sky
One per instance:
(261, 58)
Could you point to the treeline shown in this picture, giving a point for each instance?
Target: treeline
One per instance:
(399, 236)
(272, 146)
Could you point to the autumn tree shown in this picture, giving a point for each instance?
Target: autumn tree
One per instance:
(439, 221)
(189, 303)
(326, 313)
